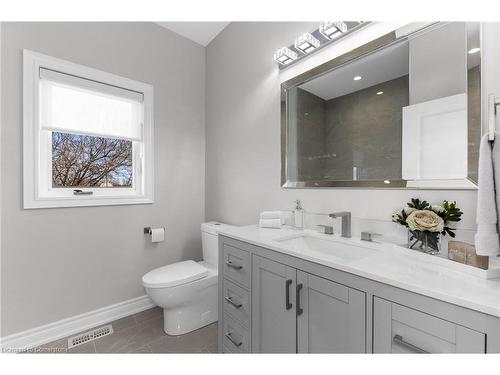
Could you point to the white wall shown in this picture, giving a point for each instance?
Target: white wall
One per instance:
(58, 263)
(243, 141)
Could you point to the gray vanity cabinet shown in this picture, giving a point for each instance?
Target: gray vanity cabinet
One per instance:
(273, 307)
(276, 303)
(332, 319)
(293, 311)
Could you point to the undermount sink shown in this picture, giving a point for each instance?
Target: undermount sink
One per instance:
(349, 250)
(310, 244)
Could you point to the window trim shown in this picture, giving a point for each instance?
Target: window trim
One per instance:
(33, 196)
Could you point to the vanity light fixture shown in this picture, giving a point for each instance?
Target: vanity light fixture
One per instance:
(474, 50)
(285, 56)
(311, 42)
(380, 93)
(332, 29)
(357, 78)
(306, 43)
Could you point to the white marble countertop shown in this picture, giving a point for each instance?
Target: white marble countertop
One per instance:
(386, 263)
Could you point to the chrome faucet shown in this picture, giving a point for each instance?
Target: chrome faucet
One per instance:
(346, 222)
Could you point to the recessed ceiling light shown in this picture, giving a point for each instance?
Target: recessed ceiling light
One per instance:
(474, 50)
(306, 43)
(380, 93)
(387, 182)
(285, 56)
(357, 78)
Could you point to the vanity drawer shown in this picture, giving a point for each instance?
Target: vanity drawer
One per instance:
(236, 265)
(400, 329)
(236, 338)
(236, 302)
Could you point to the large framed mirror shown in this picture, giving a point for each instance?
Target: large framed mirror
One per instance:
(398, 112)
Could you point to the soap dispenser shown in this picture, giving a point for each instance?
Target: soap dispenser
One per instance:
(298, 214)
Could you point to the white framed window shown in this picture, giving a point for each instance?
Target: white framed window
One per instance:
(88, 136)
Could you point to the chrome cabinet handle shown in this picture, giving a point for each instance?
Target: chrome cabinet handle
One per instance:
(288, 305)
(230, 300)
(232, 265)
(398, 339)
(230, 338)
(299, 310)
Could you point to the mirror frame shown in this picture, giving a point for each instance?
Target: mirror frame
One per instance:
(357, 53)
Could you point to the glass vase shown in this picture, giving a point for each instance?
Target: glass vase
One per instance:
(427, 242)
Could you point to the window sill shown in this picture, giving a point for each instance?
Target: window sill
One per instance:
(85, 202)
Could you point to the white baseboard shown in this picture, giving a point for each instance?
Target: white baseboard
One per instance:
(62, 328)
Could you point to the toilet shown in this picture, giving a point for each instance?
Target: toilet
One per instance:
(187, 291)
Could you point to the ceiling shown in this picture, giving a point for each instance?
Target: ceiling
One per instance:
(381, 66)
(200, 32)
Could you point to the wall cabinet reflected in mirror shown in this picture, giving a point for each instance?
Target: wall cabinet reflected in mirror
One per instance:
(397, 112)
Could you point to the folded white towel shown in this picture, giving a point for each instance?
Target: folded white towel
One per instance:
(486, 239)
(270, 223)
(270, 215)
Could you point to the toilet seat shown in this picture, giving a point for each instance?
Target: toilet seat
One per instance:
(174, 274)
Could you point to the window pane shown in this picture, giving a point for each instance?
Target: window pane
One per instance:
(86, 161)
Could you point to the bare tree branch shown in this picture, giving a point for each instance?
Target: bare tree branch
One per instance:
(87, 161)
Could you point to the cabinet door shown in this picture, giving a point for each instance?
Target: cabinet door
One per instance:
(400, 329)
(273, 307)
(330, 317)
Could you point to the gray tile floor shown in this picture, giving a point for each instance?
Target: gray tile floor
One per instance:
(141, 333)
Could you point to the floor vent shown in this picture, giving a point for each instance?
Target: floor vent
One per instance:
(90, 336)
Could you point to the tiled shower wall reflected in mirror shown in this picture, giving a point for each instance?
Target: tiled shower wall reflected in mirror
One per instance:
(354, 136)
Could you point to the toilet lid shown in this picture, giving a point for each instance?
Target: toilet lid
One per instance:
(174, 274)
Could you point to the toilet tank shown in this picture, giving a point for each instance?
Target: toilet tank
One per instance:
(210, 241)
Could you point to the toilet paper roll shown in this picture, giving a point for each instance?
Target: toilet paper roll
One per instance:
(157, 234)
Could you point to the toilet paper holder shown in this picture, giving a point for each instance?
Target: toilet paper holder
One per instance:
(148, 230)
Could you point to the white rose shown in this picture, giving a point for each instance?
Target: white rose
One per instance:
(425, 220)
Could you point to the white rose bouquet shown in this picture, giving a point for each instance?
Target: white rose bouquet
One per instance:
(425, 222)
